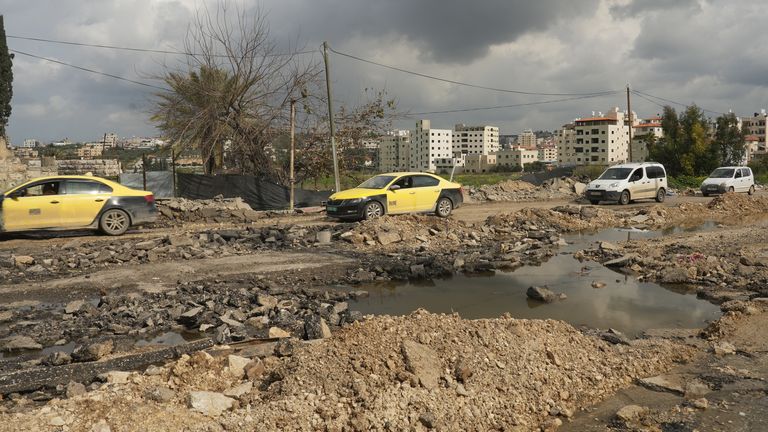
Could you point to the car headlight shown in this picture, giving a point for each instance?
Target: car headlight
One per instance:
(353, 201)
(613, 185)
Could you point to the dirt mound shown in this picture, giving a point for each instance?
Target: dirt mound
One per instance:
(559, 219)
(220, 210)
(520, 191)
(404, 373)
(738, 204)
(409, 230)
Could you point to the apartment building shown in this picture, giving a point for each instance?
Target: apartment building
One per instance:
(479, 163)
(599, 140)
(564, 139)
(527, 139)
(482, 140)
(547, 152)
(395, 151)
(31, 143)
(110, 140)
(518, 156)
(651, 126)
(755, 125)
(431, 149)
(90, 151)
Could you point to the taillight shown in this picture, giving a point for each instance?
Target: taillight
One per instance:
(149, 198)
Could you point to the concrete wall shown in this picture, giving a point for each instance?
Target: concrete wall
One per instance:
(97, 167)
(14, 171)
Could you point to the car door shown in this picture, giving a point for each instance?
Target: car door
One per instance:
(635, 184)
(746, 181)
(737, 180)
(427, 190)
(401, 199)
(83, 200)
(36, 206)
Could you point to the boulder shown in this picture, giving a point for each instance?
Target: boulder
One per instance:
(23, 260)
(386, 238)
(277, 332)
(541, 294)
(73, 306)
(20, 343)
(209, 403)
(423, 362)
(630, 413)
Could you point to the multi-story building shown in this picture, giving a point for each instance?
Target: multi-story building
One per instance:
(751, 148)
(547, 152)
(518, 156)
(642, 130)
(25, 153)
(507, 141)
(370, 143)
(395, 151)
(90, 151)
(600, 140)
(430, 148)
(755, 125)
(527, 139)
(109, 140)
(564, 139)
(31, 143)
(479, 163)
(482, 140)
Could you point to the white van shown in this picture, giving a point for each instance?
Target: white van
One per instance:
(729, 179)
(628, 182)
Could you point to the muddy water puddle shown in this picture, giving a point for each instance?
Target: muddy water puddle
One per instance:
(622, 302)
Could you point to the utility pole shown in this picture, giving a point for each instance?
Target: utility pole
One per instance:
(293, 149)
(629, 114)
(330, 115)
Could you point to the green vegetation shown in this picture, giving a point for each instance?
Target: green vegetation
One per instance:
(591, 171)
(684, 181)
(760, 170)
(6, 80)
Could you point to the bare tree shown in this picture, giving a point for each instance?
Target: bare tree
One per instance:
(233, 91)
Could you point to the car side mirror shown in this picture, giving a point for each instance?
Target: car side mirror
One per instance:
(394, 187)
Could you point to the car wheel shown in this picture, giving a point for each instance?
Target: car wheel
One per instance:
(751, 190)
(705, 194)
(594, 202)
(731, 189)
(114, 222)
(373, 210)
(444, 207)
(660, 195)
(624, 198)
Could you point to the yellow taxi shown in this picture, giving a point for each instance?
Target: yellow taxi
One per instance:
(75, 202)
(396, 193)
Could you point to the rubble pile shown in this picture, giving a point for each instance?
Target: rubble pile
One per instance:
(738, 204)
(218, 210)
(423, 371)
(522, 191)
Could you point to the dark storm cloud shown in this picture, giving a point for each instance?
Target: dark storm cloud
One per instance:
(637, 7)
(446, 31)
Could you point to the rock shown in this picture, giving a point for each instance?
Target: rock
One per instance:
(23, 260)
(663, 383)
(598, 284)
(702, 403)
(146, 245)
(386, 238)
(180, 240)
(74, 306)
(315, 327)
(209, 403)
(620, 262)
(340, 307)
(607, 246)
(428, 419)
(160, 394)
(93, 352)
(20, 343)
(541, 294)
(630, 413)
(57, 421)
(615, 337)
(639, 219)
(268, 301)
(462, 371)
(277, 332)
(723, 348)
(284, 347)
(75, 389)
(675, 275)
(237, 365)
(116, 377)
(579, 188)
(239, 390)
(101, 426)
(190, 317)
(57, 358)
(423, 362)
(418, 271)
(324, 237)
(696, 389)
(255, 369)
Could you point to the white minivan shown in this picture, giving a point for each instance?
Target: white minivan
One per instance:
(628, 182)
(729, 179)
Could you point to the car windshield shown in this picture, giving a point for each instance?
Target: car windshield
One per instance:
(615, 174)
(377, 182)
(722, 173)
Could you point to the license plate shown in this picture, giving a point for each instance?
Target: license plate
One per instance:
(595, 193)
(331, 209)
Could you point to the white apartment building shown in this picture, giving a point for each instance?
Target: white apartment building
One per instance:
(395, 151)
(475, 139)
(31, 143)
(527, 139)
(110, 140)
(564, 138)
(518, 156)
(599, 140)
(756, 126)
(547, 152)
(431, 149)
(651, 126)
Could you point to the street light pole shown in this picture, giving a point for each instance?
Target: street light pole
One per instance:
(293, 150)
(330, 115)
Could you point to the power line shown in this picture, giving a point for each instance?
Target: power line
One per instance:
(600, 93)
(88, 70)
(515, 105)
(639, 93)
(148, 50)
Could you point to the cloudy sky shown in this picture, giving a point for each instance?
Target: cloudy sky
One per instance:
(710, 52)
